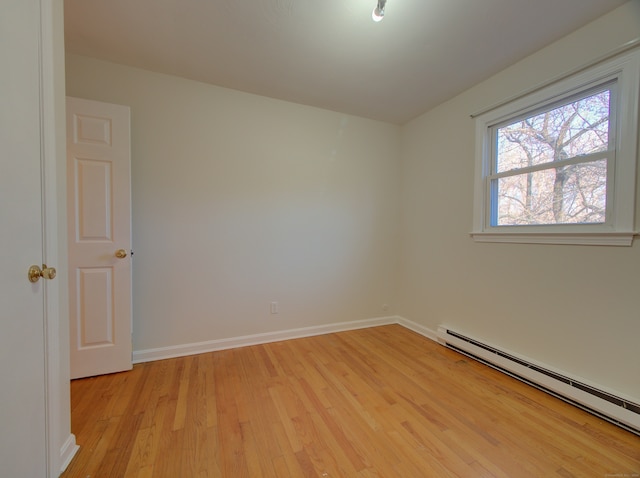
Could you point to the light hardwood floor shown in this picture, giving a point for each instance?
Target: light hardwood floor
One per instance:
(378, 402)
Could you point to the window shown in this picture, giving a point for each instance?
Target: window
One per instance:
(558, 166)
(551, 168)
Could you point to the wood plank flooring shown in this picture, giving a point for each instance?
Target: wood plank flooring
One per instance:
(377, 402)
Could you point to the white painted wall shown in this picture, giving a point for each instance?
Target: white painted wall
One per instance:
(240, 200)
(575, 308)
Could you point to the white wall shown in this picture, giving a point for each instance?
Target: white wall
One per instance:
(240, 200)
(575, 308)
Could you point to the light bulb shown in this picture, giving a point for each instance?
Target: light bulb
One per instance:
(377, 14)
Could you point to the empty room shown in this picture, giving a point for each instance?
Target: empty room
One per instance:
(349, 238)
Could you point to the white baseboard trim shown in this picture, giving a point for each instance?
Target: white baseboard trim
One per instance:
(67, 451)
(420, 329)
(148, 355)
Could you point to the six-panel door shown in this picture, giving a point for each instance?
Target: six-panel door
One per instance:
(99, 220)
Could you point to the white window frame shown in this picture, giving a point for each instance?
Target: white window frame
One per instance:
(618, 229)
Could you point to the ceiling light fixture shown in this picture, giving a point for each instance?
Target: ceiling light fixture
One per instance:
(378, 12)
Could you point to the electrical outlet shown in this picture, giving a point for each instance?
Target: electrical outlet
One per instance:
(274, 307)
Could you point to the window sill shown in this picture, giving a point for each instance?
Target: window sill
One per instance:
(580, 238)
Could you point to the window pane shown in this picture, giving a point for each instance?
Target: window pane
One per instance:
(578, 128)
(574, 194)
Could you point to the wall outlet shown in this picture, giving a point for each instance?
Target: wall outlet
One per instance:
(274, 307)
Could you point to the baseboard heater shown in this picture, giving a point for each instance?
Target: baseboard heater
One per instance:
(617, 410)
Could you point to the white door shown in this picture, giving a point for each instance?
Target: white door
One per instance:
(22, 320)
(99, 221)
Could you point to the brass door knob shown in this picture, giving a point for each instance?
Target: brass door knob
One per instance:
(48, 272)
(35, 273)
(121, 253)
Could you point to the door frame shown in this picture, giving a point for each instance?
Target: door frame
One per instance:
(60, 442)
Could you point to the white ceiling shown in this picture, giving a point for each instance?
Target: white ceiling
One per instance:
(327, 53)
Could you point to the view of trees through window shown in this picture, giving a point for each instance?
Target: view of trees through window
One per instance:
(551, 168)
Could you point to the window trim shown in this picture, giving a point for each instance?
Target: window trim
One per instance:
(618, 229)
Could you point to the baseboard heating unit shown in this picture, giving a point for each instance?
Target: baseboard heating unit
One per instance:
(617, 410)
